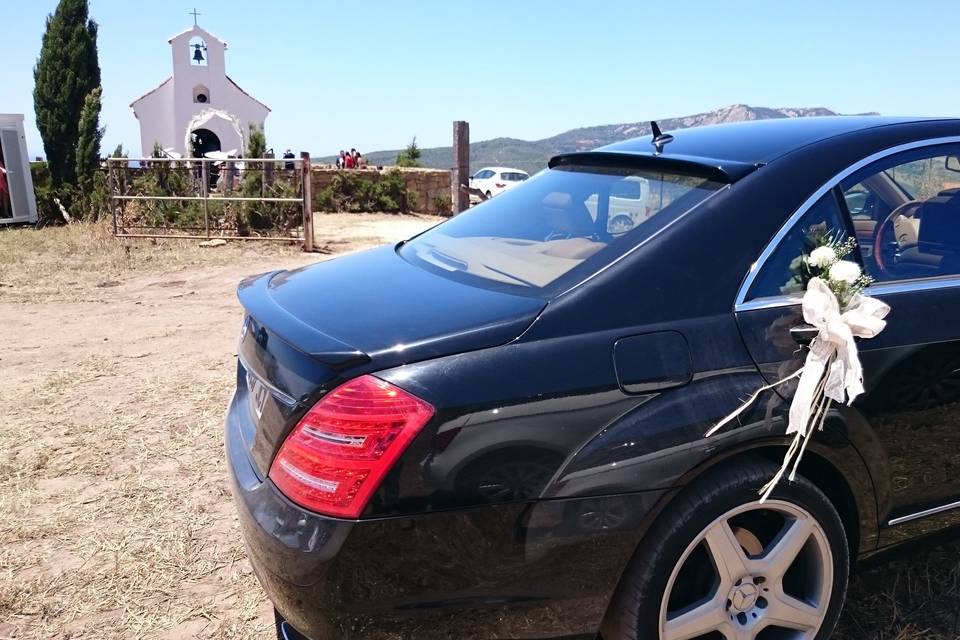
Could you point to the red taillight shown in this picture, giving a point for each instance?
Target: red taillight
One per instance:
(335, 458)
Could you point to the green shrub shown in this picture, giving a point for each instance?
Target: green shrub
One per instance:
(46, 208)
(393, 193)
(164, 179)
(442, 205)
(353, 192)
(325, 200)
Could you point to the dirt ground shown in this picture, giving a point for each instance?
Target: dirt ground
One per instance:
(115, 515)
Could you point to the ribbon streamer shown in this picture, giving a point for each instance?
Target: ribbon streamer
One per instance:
(831, 372)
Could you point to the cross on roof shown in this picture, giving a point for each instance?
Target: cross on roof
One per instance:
(195, 14)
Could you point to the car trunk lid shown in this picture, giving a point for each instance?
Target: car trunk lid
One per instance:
(311, 329)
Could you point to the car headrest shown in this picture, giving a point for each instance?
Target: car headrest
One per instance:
(940, 225)
(563, 215)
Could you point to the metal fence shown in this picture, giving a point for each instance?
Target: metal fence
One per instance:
(204, 198)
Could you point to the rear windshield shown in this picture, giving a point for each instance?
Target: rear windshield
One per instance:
(555, 229)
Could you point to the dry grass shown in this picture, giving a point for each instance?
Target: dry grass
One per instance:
(80, 261)
(913, 596)
(115, 518)
(75, 261)
(116, 511)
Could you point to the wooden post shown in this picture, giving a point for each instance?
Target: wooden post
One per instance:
(460, 174)
(307, 201)
(268, 168)
(113, 201)
(204, 191)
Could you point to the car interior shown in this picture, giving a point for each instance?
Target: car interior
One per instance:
(561, 226)
(907, 219)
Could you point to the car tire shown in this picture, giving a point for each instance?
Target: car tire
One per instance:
(717, 525)
(489, 195)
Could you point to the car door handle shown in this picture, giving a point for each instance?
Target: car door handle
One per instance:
(804, 333)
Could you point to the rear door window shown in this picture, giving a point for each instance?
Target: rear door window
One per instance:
(780, 274)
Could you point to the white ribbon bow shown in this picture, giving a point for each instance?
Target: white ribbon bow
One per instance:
(834, 345)
(831, 372)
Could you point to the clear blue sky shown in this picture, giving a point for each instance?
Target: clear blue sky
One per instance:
(373, 74)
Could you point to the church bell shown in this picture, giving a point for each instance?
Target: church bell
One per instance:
(197, 54)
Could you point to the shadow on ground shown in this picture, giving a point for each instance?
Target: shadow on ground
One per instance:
(912, 595)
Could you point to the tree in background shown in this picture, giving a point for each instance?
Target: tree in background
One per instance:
(67, 72)
(252, 213)
(258, 183)
(89, 135)
(409, 157)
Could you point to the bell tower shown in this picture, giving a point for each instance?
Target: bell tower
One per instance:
(198, 58)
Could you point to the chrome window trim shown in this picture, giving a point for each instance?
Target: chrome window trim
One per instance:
(923, 514)
(741, 303)
(916, 284)
(878, 289)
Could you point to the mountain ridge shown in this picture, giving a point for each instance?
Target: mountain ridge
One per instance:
(532, 155)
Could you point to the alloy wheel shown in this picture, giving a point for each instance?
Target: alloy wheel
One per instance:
(758, 572)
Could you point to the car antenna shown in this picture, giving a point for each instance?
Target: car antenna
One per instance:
(659, 137)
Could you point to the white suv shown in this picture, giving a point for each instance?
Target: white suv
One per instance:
(494, 180)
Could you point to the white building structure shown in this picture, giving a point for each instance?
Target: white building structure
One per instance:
(17, 202)
(198, 109)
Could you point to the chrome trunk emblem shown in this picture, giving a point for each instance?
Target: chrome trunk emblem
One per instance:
(259, 393)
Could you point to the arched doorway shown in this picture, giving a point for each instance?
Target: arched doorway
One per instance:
(204, 141)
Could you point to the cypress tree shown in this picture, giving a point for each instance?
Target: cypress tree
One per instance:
(89, 135)
(66, 72)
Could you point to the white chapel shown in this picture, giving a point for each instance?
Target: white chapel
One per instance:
(198, 109)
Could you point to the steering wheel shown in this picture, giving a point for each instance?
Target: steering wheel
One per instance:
(879, 240)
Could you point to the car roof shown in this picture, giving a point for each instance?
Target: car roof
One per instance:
(758, 141)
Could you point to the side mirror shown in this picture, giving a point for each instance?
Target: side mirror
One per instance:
(952, 163)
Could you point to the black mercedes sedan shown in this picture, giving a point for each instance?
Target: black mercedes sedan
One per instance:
(496, 429)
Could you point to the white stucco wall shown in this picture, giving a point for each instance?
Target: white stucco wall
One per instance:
(156, 118)
(166, 113)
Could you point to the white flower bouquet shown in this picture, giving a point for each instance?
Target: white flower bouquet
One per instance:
(828, 261)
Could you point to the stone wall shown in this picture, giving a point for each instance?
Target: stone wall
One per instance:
(431, 186)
